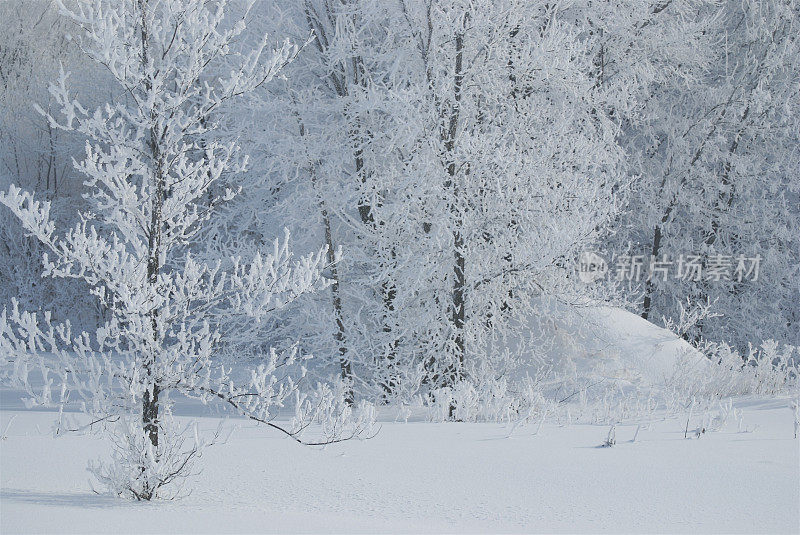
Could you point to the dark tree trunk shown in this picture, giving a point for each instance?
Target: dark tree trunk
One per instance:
(458, 308)
(344, 361)
(649, 287)
(339, 82)
(150, 406)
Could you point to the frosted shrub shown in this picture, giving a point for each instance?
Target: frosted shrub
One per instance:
(466, 401)
(329, 406)
(140, 470)
(767, 369)
(773, 370)
(489, 400)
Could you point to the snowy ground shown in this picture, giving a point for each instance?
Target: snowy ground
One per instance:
(426, 477)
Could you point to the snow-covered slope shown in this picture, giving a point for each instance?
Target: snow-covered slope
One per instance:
(618, 346)
(607, 344)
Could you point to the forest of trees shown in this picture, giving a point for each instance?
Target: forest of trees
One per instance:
(400, 188)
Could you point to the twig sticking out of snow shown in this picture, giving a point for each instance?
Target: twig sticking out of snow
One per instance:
(8, 425)
(636, 434)
(611, 439)
(795, 406)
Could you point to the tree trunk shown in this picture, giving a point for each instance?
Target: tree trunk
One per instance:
(458, 312)
(344, 362)
(649, 287)
(339, 82)
(389, 292)
(724, 204)
(150, 406)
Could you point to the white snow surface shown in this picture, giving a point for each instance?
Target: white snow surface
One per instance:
(428, 478)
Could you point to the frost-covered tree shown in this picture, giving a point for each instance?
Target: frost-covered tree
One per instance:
(337, 110)
(714, 141)
(156, 177)
(461, 155)
(515, 169)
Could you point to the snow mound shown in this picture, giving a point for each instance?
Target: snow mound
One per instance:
(614, 344)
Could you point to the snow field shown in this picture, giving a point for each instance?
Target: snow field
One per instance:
(429, 477)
